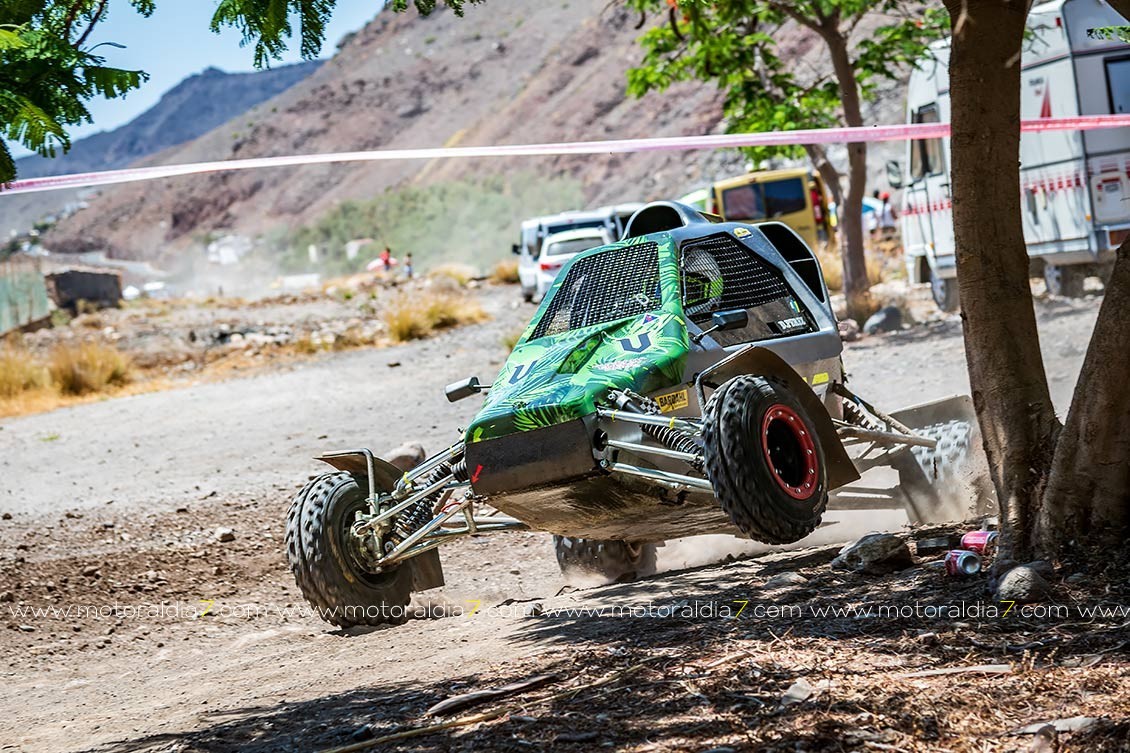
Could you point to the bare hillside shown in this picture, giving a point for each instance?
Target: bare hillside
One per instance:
(520, 72)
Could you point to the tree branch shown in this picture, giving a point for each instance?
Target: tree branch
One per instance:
(93, 22)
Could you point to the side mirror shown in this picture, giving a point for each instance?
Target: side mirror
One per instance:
(515, 249)
(458, 390)
(894, 174)
(724, 321)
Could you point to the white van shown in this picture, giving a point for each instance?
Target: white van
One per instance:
(560, 248)
(1076, 186)
(612, 219)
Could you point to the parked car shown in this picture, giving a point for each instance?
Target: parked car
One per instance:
(560, 248)
(535, 230)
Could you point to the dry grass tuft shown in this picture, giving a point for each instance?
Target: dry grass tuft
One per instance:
(505, 272)
(88, 367)
(19, 372)
(460, 274)
(412, 316)
(832, 264)
(511, 339)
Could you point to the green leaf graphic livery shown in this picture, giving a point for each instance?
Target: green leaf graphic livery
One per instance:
(556, 378)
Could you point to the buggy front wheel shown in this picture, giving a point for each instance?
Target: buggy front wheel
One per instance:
(764, 459)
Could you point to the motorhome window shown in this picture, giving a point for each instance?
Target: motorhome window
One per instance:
(604, 287)
(1118, 85)
(926, 154)
(784, 197)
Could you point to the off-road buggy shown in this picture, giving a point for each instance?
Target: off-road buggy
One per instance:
(684, 380)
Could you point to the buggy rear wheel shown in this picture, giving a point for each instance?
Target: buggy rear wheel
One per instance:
(615, 560)
(764, 459)
(328, 563)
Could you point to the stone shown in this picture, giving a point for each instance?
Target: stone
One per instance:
(886, 319)
(225, 534)
(1023, 585)
(849, 330)
(784, 580)
(1043, 567)
(874, 554)
(1076, 578)
(407, 456)
(7, 596)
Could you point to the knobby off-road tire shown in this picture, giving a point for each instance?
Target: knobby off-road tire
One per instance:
(955, 469)
(764, 459)
(615, 560)
(327, 566)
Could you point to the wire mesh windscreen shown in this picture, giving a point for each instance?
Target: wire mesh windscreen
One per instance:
(720, 274)
(610, 285)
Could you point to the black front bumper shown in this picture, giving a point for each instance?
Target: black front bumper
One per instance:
(531, 459)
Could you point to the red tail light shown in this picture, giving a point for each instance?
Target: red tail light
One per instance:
(548, 266)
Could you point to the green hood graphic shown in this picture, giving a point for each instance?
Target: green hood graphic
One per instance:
(555, 378)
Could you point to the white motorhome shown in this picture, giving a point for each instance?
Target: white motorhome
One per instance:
(534, 231)
(1076, 186)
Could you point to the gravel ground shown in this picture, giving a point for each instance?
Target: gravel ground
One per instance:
(119, 502)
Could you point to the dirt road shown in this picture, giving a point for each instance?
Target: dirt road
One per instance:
(111, 560)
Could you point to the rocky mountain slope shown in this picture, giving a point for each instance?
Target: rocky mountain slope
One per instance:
(517, 72)
(193, 107)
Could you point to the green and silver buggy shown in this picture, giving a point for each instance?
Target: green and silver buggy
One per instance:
(684, 380)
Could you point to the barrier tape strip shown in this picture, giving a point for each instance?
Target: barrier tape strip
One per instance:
(620, 146)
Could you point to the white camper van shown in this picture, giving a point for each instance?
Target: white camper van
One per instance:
(1076, 186)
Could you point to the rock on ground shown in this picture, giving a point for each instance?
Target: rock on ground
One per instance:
(886, 319)
(1023, 585)
(875, 553)
(407, 456)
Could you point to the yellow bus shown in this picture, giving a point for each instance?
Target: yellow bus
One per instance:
(794, 196)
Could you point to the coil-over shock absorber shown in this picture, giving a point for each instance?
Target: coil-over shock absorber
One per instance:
(424, 510)
(669, 437)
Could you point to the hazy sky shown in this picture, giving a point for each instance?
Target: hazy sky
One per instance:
(175, 42)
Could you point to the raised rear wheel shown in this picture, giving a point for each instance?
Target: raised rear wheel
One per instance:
(614, 560)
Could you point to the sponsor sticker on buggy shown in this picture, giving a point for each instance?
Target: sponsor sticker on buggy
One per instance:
(792, 324)
(741, 232)
(673, 401)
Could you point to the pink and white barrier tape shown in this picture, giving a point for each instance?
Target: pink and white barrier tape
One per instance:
(621, 146)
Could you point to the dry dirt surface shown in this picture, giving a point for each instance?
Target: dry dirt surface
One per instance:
(132, 622)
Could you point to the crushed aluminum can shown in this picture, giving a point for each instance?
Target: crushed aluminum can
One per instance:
(982, 542)
(962, 562)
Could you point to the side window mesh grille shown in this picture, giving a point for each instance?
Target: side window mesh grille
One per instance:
(607, 286)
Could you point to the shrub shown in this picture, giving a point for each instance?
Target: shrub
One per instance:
(89, 367)
(19, 372)
(412, 316)
(505, 272)
(460, 274)
(832, 264)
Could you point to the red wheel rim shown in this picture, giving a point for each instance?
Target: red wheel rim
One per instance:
(790, 451)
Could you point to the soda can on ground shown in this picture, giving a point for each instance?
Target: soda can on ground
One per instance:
(962, 562)
(982, 542)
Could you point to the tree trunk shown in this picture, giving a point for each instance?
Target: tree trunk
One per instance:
(856, 285)
(1006, 371)
(1088, 492)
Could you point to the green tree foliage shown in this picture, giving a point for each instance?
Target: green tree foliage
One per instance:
(48, 72)
(736, 44)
